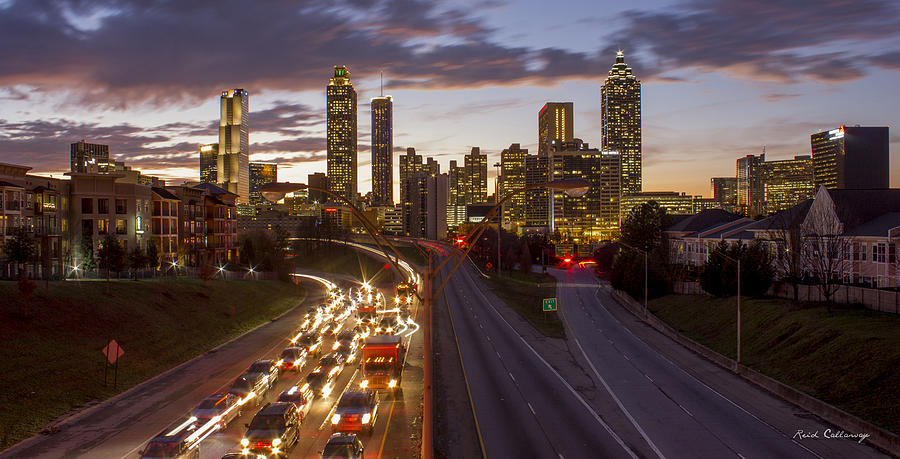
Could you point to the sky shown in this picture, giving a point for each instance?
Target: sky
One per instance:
(721, 78)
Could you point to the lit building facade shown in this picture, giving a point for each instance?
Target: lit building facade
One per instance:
(512, 171)
(341, 134)
(851, 158)
(209, 163)
(724, 190)
(382, 151)
(594, 216)
(473, 181)
(83, 154)
(787, 182)
(674, 202)
(750, 186)
(261, 174)
(620, 118)
(318, 180)
(537, 201)
(554, 123)
(233, 159)
(164, 224)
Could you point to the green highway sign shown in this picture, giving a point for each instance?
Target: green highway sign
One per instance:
(549, 304)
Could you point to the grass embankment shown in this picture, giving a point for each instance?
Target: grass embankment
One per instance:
(849, 358)
(340, 259)
(51, 362)
(524, 293)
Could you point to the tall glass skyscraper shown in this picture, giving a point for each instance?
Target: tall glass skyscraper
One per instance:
(620, 106)
(341, 134)
(261, 174)
(233, 160)
(209, 162)
(554, 123)
(852, 157)
(512, 169)
(382, 151)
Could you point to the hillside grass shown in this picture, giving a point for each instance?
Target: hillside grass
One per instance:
(524, 293)
(849, 357)
(51, 360)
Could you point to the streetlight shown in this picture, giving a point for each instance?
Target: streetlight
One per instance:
(646, 311)
(737, 261)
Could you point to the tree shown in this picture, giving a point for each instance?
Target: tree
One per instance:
(152, 255)
(111, 255)
(827, 251)
(137, 259)
(643, 230)
(644, 225)
(719, 274)
(20, 249)
(787, 235)
(525, 261)
(87, 253)
(26, 288)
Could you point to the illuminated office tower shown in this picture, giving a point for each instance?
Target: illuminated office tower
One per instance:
(261, 174)
(554, 123)
(787, 182)
(84, 154)
(341, 134)
(209, 162)
(851, 157)
(724, 191)
(233, 160)
(537, 201)
(512, 170)
(595, 215)
(382, 151)
(620, 118)
(750, 186)
(474, 178)
(410, 164)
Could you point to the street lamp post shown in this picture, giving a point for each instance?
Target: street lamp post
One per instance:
(499, 218)
(737, 261)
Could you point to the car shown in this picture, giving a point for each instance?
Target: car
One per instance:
(345, 353)
(355, 412)
(236, 455)
(343, 445)
(246, 384)
(311, 342)
(300, 396)
(170, 445)
(348, 336)
(225, 405)
(330, 364)
(292, 359)
(267, 368)
(320, 384)
(274, 430)
(387, 326)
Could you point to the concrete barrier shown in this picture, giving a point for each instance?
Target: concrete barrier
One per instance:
(878, 437)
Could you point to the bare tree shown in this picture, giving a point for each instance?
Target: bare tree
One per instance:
(786, 233)
(827, 250)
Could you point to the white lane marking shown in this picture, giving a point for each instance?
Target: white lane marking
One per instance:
(563, 380)
(531, 408)
(685, 410)
(648, 377)
(626, 357)
(673, 364)
(481, 326)
(610, 391)
(512, 377)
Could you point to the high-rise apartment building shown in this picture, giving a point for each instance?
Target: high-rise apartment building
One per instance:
(233, 160)
(512, 171)
(456, 207)
(85, 155)
(554, 123)
(620, 117)
(382, 151)
(261, 174)
(474, 179)
(852, 157)
(594, 216)
(750, 185)
(341, 134)
(209, 163)
(537, 201)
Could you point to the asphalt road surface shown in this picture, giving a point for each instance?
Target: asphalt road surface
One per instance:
(685, 406)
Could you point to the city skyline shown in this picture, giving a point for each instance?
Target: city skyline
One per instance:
(699, 112)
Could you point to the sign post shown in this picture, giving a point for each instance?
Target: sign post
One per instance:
(112, 351)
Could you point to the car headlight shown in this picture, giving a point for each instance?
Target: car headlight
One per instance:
(335, 346)
(392, 383)
(366, 418)
(364, 384)
(245, 442)
(276, 442)
(275, 451)
(336, 418)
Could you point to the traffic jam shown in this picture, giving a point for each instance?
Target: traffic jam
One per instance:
(354, 331)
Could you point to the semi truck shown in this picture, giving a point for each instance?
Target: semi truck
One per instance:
(382, 363)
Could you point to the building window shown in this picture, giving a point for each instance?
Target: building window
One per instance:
(173, 209)
(121, 206)
(863, 252)
(87, 205)
(103, 206)
(121, 226)
(103, 226)
(879, 252)
(87, 228)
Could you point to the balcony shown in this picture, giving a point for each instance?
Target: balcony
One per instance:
(12, 205)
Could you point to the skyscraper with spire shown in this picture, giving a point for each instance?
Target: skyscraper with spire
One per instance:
(382, 151)
(341, 134)
(620, 105)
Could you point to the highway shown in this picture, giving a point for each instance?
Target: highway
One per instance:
(122, 427)
(523, 406)
(687, 409)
